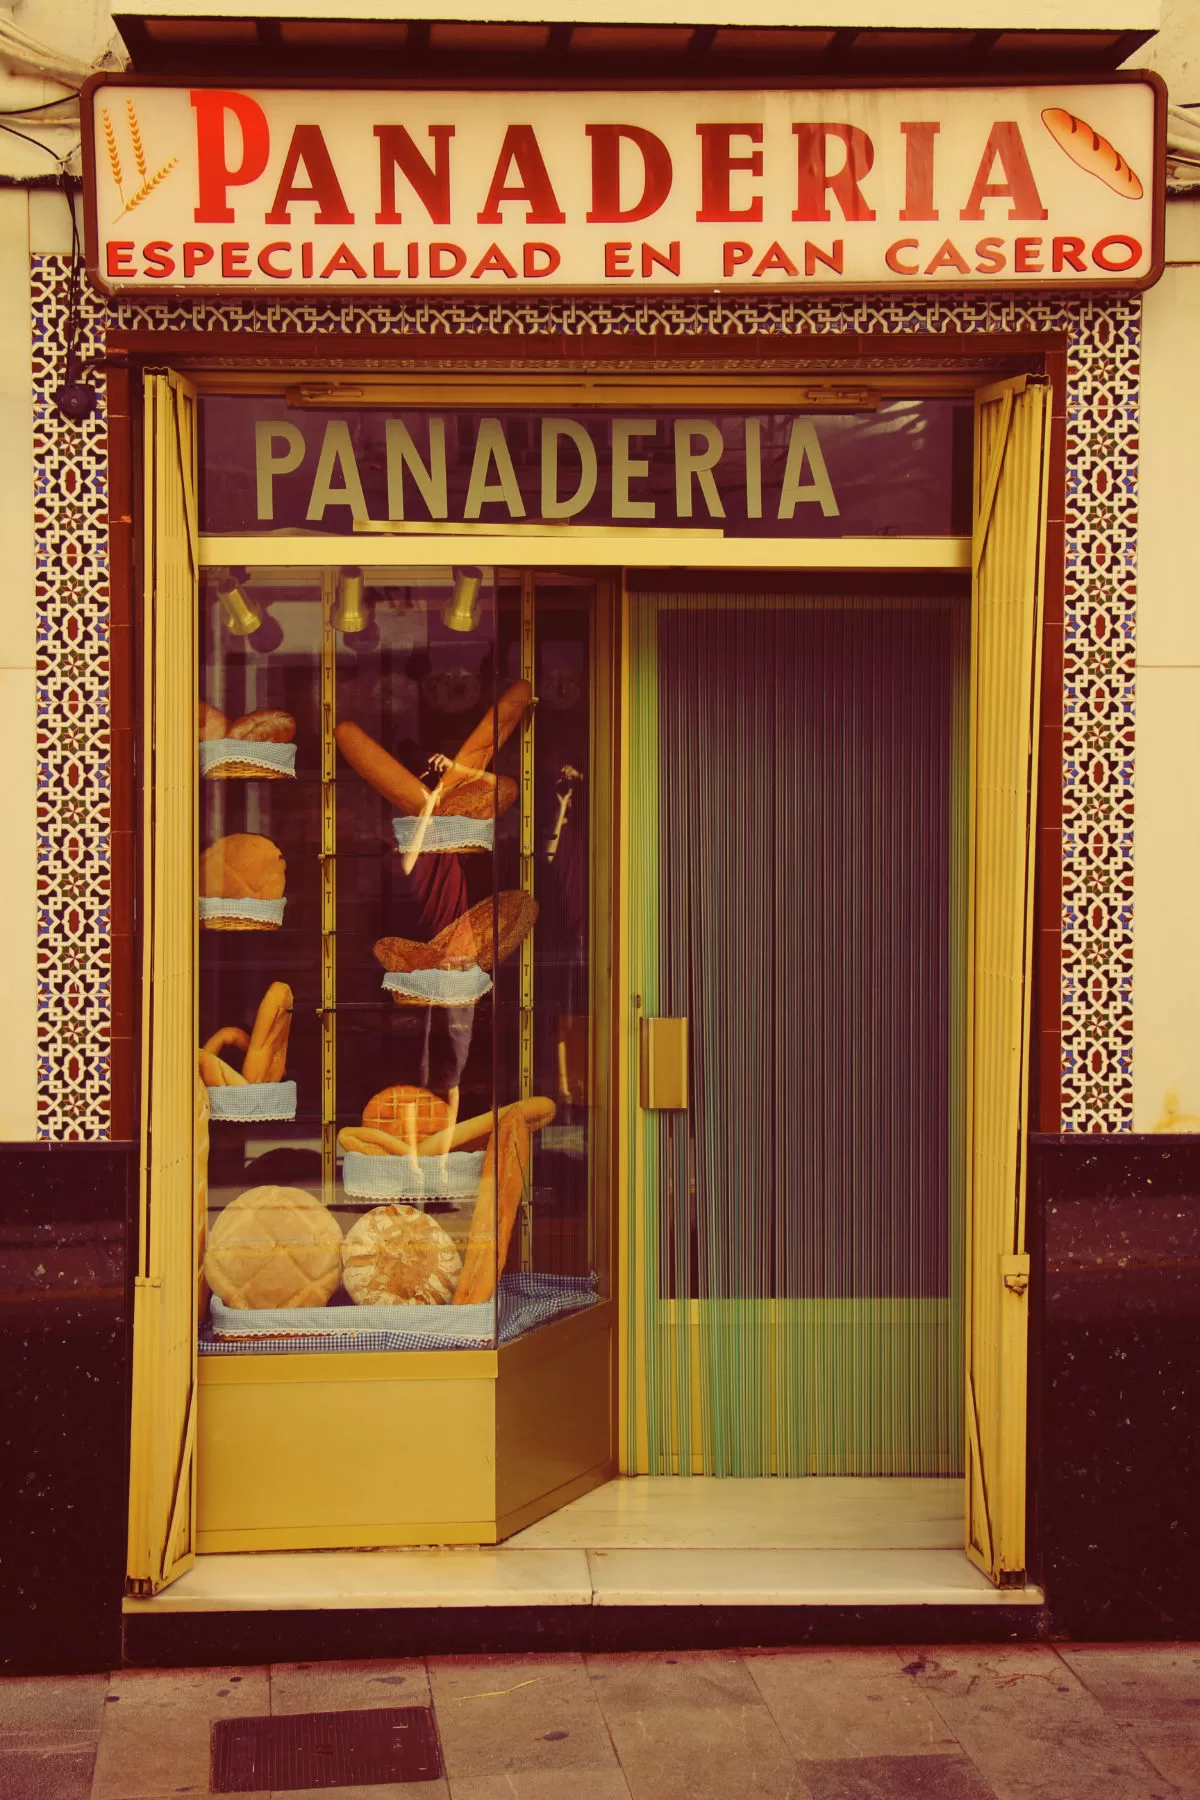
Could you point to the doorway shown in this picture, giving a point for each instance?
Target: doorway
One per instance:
(797, 818)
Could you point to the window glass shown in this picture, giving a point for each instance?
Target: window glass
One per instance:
(398, 1012)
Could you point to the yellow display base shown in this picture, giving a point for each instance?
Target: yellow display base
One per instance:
(350, 1451)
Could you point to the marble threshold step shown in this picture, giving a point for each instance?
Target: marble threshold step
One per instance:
(505, 1576)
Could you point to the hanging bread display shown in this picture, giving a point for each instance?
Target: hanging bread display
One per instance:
(397, 1256)
(463, 787)
(260, 745)
(470, 941)
(501, 1187)
(242, 880)
(274, 1247)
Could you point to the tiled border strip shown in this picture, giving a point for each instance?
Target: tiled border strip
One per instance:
(71, 497)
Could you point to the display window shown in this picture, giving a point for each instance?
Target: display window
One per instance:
(587, 921)
(396, 999)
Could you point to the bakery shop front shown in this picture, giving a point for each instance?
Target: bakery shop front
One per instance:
(596, 555)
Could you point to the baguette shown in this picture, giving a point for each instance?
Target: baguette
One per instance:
(536, 1113)
(496, 725)
(1091, 152)
(387, 776)
(370, 1140)
(496, 1210)
(268, 1040)
(228, 1035)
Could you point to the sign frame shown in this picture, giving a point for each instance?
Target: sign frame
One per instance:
(428, 288)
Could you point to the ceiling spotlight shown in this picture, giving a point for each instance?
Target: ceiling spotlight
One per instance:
(350, 615)
(241, 614)
(269, 635)
(462, 614)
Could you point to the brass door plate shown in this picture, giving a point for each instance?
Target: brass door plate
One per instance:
(663, 1045)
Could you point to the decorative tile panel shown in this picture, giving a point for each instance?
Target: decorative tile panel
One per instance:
(1098, 698)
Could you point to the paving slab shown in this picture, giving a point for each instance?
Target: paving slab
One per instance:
(347, 1686)
(502, 1715)
(540, 1784)
(693, 1726)
(157, 1725)
(1140, 1681)
(897, 1778)
(1031, 1727)
(841, 1703)
(41, 1774)
(62, 1712)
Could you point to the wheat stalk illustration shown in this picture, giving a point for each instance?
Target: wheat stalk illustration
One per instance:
(114, 158)
(135, 138)
(148, 182)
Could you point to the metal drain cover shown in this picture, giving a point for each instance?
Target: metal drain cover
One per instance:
(325, 1750)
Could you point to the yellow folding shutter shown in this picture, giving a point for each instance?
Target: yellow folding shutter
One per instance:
(1011, 441)
(174, 1117)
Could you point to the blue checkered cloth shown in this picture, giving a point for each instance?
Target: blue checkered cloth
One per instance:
(256, 1100)
(525, 1301)
(277, 759)
(440, 987)
(445, 832)
(266, 912)
(451, 1177)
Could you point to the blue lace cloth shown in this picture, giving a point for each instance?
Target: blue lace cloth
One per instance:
(267, 912)
(278, 759)
(440, 987)
(524, 1301)
(257, 1100)
(445, 832)
(452, 1177)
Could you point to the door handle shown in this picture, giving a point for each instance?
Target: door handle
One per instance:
(663, 1048)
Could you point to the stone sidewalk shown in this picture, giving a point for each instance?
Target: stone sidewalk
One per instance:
(1084, 1722)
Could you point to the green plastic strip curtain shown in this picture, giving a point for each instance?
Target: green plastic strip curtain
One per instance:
(797, 835)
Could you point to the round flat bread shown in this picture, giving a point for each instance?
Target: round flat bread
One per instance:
(397, 1256)
(273, 1247)
(394, 1108)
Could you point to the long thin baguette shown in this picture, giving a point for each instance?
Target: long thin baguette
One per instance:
(228, 1034)
(535, 1112)
(387, 776)
(495, 1211)
(496, 725)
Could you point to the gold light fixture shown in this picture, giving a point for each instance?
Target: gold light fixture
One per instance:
(241, 614)
(350, 614)
(462, 614)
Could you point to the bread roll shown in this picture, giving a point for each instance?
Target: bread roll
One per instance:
(478, 799)
(242, 866)
(265, 728)
(274, 1246)
(395, 1107)
(210, 722)
(1092, 152)
(397, 1256)
(470, 939)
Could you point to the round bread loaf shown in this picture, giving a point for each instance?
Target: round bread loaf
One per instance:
(401, 1110)
(210, 722)
(397, 1256)
(243, 866)
(274, 1246)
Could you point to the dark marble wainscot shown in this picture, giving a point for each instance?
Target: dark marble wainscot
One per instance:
(64, 1350)
(1115, 1383)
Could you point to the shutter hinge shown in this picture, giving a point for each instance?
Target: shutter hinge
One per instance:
(1014, 1271)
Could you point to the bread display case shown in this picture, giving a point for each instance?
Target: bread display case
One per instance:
(397, 1032)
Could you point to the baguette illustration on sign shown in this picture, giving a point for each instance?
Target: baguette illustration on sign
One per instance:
(1092, 152)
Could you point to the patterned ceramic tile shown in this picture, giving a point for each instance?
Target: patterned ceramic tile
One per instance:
(1101, 549)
